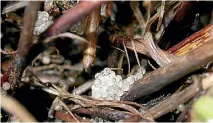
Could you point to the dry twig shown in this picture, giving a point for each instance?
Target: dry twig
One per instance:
(12, 106)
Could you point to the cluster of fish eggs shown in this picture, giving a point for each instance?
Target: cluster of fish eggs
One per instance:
(109, 86)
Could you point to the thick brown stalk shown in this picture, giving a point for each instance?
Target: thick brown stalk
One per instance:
(163, 76)
(25, 43)
(92, 36)
(15, 6)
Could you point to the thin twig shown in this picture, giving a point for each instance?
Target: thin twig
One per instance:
(134, 5)
(120, 62)
(67, 35)
(161, 14)
(15, 6)
(7, 53)
(136, 54)
(117, 48)
(127, 56)
(52, 108)
(12, 106)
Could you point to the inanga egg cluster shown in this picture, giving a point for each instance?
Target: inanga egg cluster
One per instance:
(109, 86)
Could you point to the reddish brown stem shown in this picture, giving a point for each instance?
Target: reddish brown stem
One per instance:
(203, 34)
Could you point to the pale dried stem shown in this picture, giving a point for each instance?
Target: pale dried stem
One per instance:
(134, 5)
(13, 107)
(67, 35)
(127, 56)
(83, 88)
(161, 14)
(136, 54)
